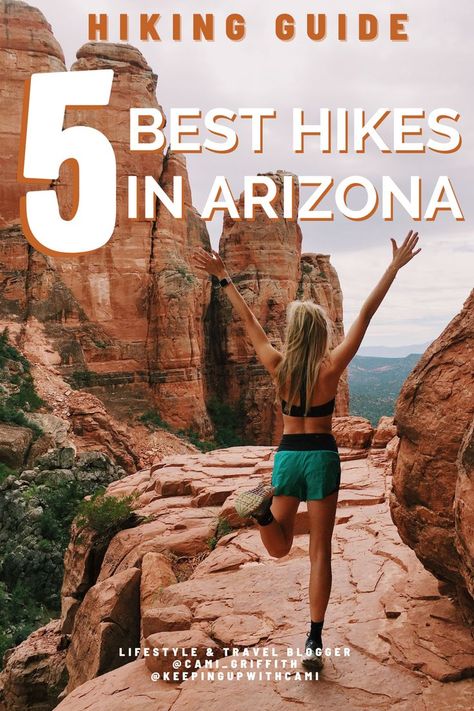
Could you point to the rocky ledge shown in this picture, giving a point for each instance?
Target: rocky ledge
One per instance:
(184, 577)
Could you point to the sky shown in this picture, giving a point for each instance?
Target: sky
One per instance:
(433, 69)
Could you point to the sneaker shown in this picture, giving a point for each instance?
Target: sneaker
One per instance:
(254, 502)
(311, 660)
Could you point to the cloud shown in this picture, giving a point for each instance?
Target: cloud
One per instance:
(424, 298)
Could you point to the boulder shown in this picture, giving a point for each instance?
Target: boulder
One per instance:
(55, 435)
(432, 502)
(107, 622)
(384, 432)
(60, 458)
(96, 430)
(15, 443)
(82, 561)
(166, 619)
(35, 672)
(157, 574)
(392, 448)
(353, 432)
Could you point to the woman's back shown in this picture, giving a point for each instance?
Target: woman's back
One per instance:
(321, 404)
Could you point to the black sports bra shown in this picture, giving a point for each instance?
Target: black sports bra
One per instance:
(327, 408)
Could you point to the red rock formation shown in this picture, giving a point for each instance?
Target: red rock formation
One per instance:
(27, 45)
(399, 621)
(140, 287)
(95, 430)
(111, 609)
(87, 312)
(384, 432)
(263, 257)
(126, 322)
(112, 283)
(36, 671)
(128, 316)
(353, 432)
(178, 300)
(432, 501)
(464, 518)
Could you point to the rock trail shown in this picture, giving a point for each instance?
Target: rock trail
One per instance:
(406, 638)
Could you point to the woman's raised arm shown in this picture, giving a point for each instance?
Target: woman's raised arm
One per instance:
(342, 355)
(212, 263)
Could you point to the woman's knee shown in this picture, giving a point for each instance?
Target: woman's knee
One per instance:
(279, 550)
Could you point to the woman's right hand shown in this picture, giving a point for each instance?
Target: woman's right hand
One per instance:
(403, 254)
(345, 351)
(211, 262)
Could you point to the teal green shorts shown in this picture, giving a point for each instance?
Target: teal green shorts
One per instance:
(308, 474)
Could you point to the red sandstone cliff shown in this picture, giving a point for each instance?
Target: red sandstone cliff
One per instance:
(432, 502)
(140, 287)
(112, 283)
(127, 321)
(264, 258)
(27, 45)
(177, 302)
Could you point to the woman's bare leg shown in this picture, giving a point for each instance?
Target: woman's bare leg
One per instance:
(277, 536)
(322, 514)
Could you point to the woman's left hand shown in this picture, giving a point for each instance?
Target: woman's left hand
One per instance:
(403, 254)
(210, 262)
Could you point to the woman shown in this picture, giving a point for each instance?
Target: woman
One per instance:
(306, 464)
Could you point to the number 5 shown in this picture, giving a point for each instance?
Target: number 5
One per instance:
(46, 146)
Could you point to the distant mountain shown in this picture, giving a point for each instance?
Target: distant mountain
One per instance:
(375, 383)
(392, 351)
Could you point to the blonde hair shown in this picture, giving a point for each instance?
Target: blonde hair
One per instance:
(307, 338)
